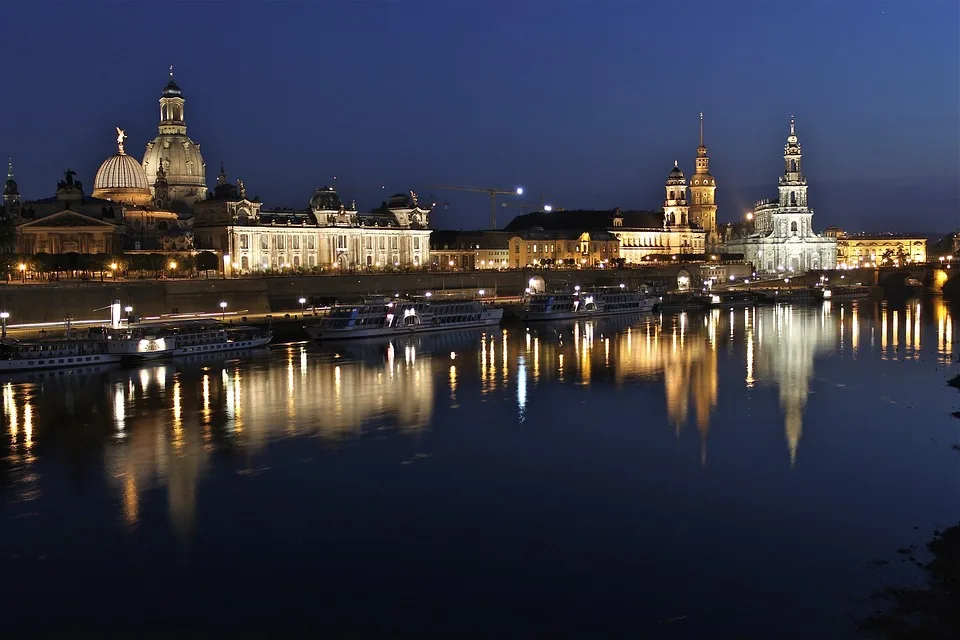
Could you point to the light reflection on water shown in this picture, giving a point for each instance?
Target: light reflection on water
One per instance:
(161, 427)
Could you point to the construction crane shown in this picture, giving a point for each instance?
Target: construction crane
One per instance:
(527, 205)
(490, 191)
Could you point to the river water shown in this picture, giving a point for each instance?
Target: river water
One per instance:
(731, 474)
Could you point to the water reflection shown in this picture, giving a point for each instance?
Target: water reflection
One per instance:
(158, 426)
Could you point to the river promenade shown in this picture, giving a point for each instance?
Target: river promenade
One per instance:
(31, 303)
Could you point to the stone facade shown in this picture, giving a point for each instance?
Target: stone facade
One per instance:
(329, 234)
(868, 250)
(783, 240)
(174, 152)
(703, 194)
(570, 248)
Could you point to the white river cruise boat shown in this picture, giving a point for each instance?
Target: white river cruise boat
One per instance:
(203, 337)
(400, 316)
(105, 345)
(600, 301)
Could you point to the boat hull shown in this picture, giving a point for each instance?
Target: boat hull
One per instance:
(490, 319)
(252, 343)
(533, 316)
(66, 362)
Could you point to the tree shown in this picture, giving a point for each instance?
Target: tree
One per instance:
(207, 261)
(8, 235)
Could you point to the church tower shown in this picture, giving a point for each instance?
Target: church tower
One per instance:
(675, 209)
(173, 152)
(793, 184)
(703, 188)
(11, 194)
(161, 189)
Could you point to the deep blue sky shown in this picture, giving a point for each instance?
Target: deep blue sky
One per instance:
(588, 102)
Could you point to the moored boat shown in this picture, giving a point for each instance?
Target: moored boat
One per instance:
(735, 299)
(682, 302)
(843, 292)
(399, 316)
(597, 302)
(17, 355)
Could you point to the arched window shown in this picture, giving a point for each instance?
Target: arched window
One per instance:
(671, 196)
(793, 199)
(162, 225)
(793, 228)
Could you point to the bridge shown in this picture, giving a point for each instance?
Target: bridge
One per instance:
(929, 278)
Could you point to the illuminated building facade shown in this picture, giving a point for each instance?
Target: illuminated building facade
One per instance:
(703, 194)
(329, 234)
(871, 250)
(470, 250)
(782, 239)
(568, 248)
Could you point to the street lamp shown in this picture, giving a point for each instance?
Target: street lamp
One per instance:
(226, 264)
(223, 311)
(302, 302)
(23, 272)
(3, 320)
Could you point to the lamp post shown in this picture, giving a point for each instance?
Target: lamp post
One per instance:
(129, 311)
(113, 270)
(226, 264)
(223, 312)
(302, 302)
(173, 267)
(23, 272)
(3, 320)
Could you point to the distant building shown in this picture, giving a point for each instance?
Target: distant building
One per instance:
(328, 234)
(567, 248)
(642, 235)
(69, 222)
(782, 239)
(868, 250)
(470, 250)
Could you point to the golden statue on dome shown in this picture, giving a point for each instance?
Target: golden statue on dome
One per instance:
(121, 136)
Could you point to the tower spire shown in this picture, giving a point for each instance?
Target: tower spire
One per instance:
(9, 168)
(171, 72)
(792, 131)
(701, 128)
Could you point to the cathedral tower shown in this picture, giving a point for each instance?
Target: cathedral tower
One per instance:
(675, 209)
(793, 184)
(178, 155)
(11, 194)
(703, 188)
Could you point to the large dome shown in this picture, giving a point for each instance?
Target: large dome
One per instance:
(185, 168)
(122, 179)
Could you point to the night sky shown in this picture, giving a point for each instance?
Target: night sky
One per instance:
(589, 103)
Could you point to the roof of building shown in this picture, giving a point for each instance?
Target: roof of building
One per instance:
(121, 171)
(587, 220)
(452, 239)
(564, 234)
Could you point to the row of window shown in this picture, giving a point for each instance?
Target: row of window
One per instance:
(583, 247)
(281, 242)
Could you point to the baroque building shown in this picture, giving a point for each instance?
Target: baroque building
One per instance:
(174, 153)
(703, 191)
(328, 234)
(69, 222)
(870, 250)
(782, 239)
